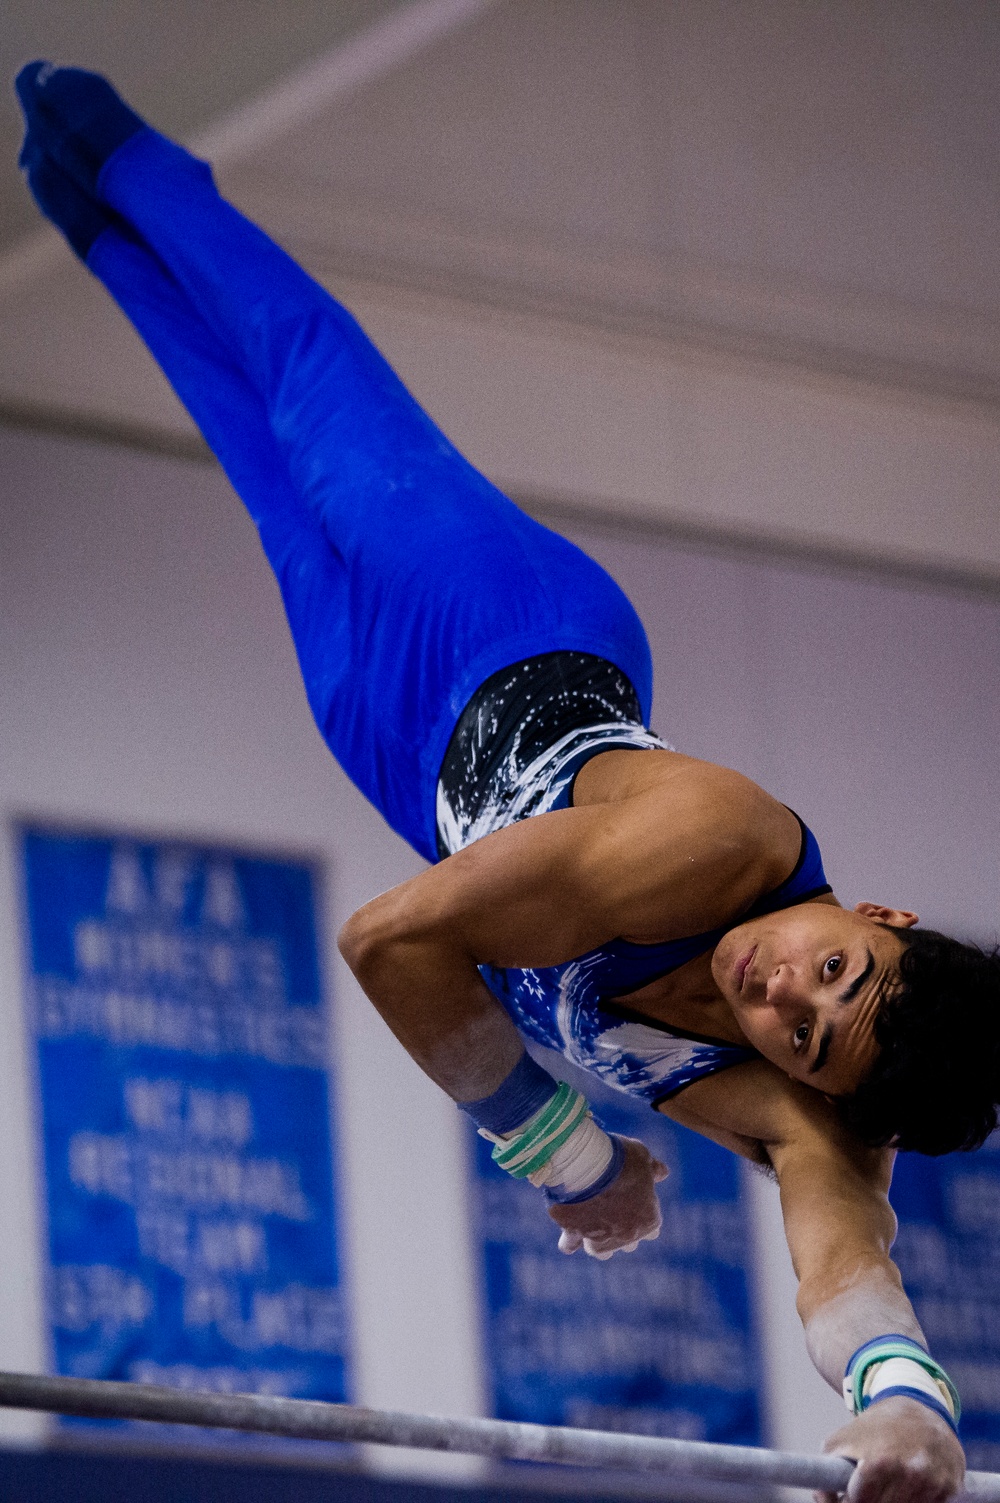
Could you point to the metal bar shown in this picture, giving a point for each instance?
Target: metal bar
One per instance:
(308, 1419)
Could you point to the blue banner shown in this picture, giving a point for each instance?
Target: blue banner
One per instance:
(182, 1065)
(948, 1251)
(656, 1342)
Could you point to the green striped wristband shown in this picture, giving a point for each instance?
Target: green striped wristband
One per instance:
(544, 1134)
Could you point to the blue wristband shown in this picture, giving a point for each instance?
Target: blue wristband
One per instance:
(887, 1348)
(524, 1092)
(936, 1406)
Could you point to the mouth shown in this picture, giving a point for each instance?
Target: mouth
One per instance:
(742, 966)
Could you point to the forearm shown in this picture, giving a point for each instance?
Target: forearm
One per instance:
(432, 997)
(842, 1312)
(904, 1407)
(840, 1229)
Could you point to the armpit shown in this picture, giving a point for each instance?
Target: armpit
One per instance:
(748, 1148)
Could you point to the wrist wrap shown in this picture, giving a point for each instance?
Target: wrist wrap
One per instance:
(559, 1178)
(897, 1366)
(531, 1148)
(544, 1132)
(524, 1092)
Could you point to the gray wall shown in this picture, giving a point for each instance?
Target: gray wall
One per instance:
(870, 705)
(147, 680)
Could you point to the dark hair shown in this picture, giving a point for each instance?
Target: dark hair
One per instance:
(935, 1085)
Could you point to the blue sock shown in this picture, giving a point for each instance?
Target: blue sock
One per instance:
(75, 118)
(80, 217)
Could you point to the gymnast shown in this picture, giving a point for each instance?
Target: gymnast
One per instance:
(660, 921)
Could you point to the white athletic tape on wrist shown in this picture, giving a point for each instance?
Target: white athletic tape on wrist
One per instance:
(581, 1160)
(892, 1366)
(560, 1144)
(903, 1372)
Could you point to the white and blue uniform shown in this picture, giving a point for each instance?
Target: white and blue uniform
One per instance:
(516, 750)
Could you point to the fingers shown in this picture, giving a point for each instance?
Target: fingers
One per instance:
(590, 1248)
(857, 1489)
(882, 1482)
(571, 1242)
(660, 1171)
(903, 1453)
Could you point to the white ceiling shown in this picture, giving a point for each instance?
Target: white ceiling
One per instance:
(824, 176)
(808, 191)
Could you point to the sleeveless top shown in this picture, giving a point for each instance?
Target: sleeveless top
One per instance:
(515, 752)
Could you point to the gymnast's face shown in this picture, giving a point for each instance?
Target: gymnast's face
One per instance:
(806, 984)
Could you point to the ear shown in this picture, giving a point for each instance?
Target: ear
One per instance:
(894, 918)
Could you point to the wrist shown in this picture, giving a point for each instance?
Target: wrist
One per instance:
(910, 1407)
(517, 1099)
(570, 1181)
(892, 1367)
(544, 1132)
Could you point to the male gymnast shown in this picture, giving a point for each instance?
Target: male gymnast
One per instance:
(661, 921)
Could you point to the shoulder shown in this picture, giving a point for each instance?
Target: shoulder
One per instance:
(716, 800)
(697, 844)
(757, 1111)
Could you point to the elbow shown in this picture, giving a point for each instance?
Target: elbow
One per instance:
(395, 938)
(379, 937)
(361, 940)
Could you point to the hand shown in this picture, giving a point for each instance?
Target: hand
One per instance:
(623, 1215)
(905, 1453)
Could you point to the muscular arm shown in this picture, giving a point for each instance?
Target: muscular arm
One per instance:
(840, 1227)
(675, 858)
(834, 1202)
(643, 861)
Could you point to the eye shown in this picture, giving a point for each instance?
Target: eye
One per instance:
(832, 966)
(801, 1035)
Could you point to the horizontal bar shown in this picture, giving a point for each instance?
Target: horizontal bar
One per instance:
(309, 1419)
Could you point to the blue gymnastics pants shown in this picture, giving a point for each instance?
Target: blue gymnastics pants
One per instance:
(407, 578)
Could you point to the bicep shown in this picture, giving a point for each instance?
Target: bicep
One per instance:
(715, 1114)
(672, 861)
(745, 1108)
(550, 888)
(527, 895)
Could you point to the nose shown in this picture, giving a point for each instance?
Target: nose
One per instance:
(782, 987)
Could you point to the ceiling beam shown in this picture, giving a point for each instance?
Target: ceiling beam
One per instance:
(349, 66)
(564, 512)
(299, 96)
